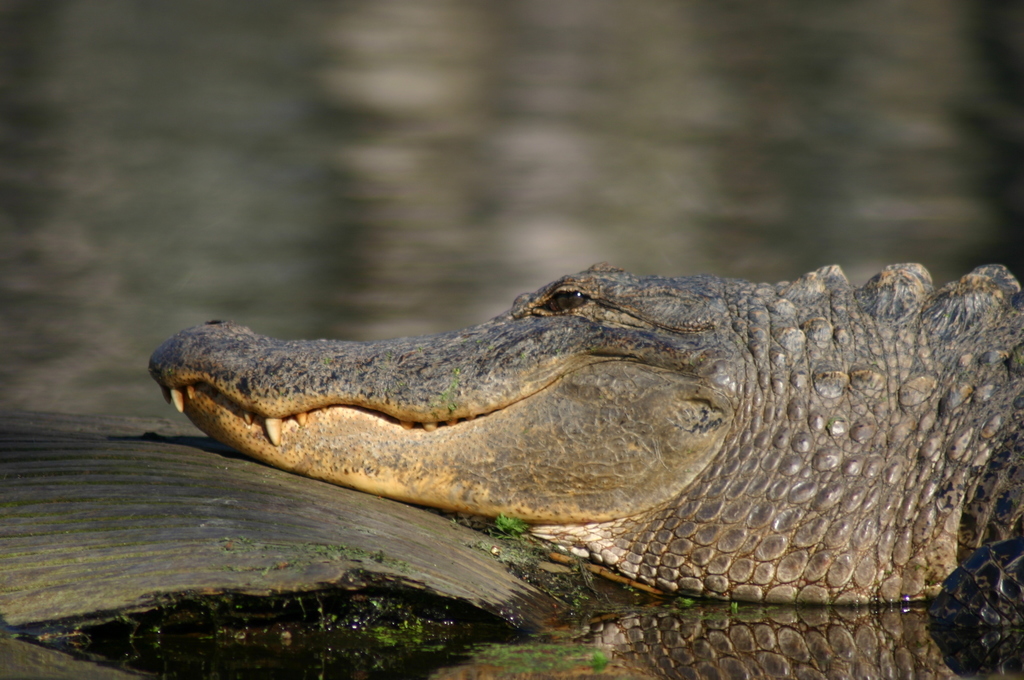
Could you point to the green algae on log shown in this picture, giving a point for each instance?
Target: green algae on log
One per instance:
(102, 517)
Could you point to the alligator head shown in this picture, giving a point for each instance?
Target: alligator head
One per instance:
(806, 441)
(595, 399)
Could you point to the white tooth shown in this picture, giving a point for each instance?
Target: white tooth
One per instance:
(167, 394)
(301, 418)
(453, 421)
(191, 389)
(178, 399)
(407, 424)
(429, 427)
(247, 417)
(273, 426)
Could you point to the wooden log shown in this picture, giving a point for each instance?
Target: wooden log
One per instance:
(103, 516)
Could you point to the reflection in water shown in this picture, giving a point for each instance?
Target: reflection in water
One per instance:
(780, 642)
(753, 642)
(784, 642)
(378, 168)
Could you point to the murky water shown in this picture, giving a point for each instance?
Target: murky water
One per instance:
(364, 168)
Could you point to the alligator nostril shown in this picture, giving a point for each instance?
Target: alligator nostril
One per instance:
(214, 323)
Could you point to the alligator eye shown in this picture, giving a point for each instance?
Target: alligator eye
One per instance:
(566, 300)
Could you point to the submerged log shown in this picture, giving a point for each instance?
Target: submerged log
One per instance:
(102, 517)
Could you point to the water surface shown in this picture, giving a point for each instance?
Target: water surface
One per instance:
(367, 169)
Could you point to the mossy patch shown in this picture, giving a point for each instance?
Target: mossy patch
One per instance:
(445, 400)
(509, 527)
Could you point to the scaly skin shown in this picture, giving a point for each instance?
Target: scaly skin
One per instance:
(806, 441)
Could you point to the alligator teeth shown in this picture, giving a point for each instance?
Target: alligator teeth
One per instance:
(453, 421)
(247, 417)
(407, 424)
(178, 399)
(191, 389)
(301, 418)
(273, 426)
(467, 418)
(429, 427)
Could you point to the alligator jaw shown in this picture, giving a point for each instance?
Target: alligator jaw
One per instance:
(499, 463)
(530, 418)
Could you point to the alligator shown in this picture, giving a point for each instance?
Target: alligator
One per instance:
(808, 441)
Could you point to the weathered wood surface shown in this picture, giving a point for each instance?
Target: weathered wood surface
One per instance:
(98, 519)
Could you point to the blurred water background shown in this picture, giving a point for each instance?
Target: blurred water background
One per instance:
(373, 168)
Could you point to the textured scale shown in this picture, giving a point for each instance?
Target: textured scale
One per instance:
(849, 481)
